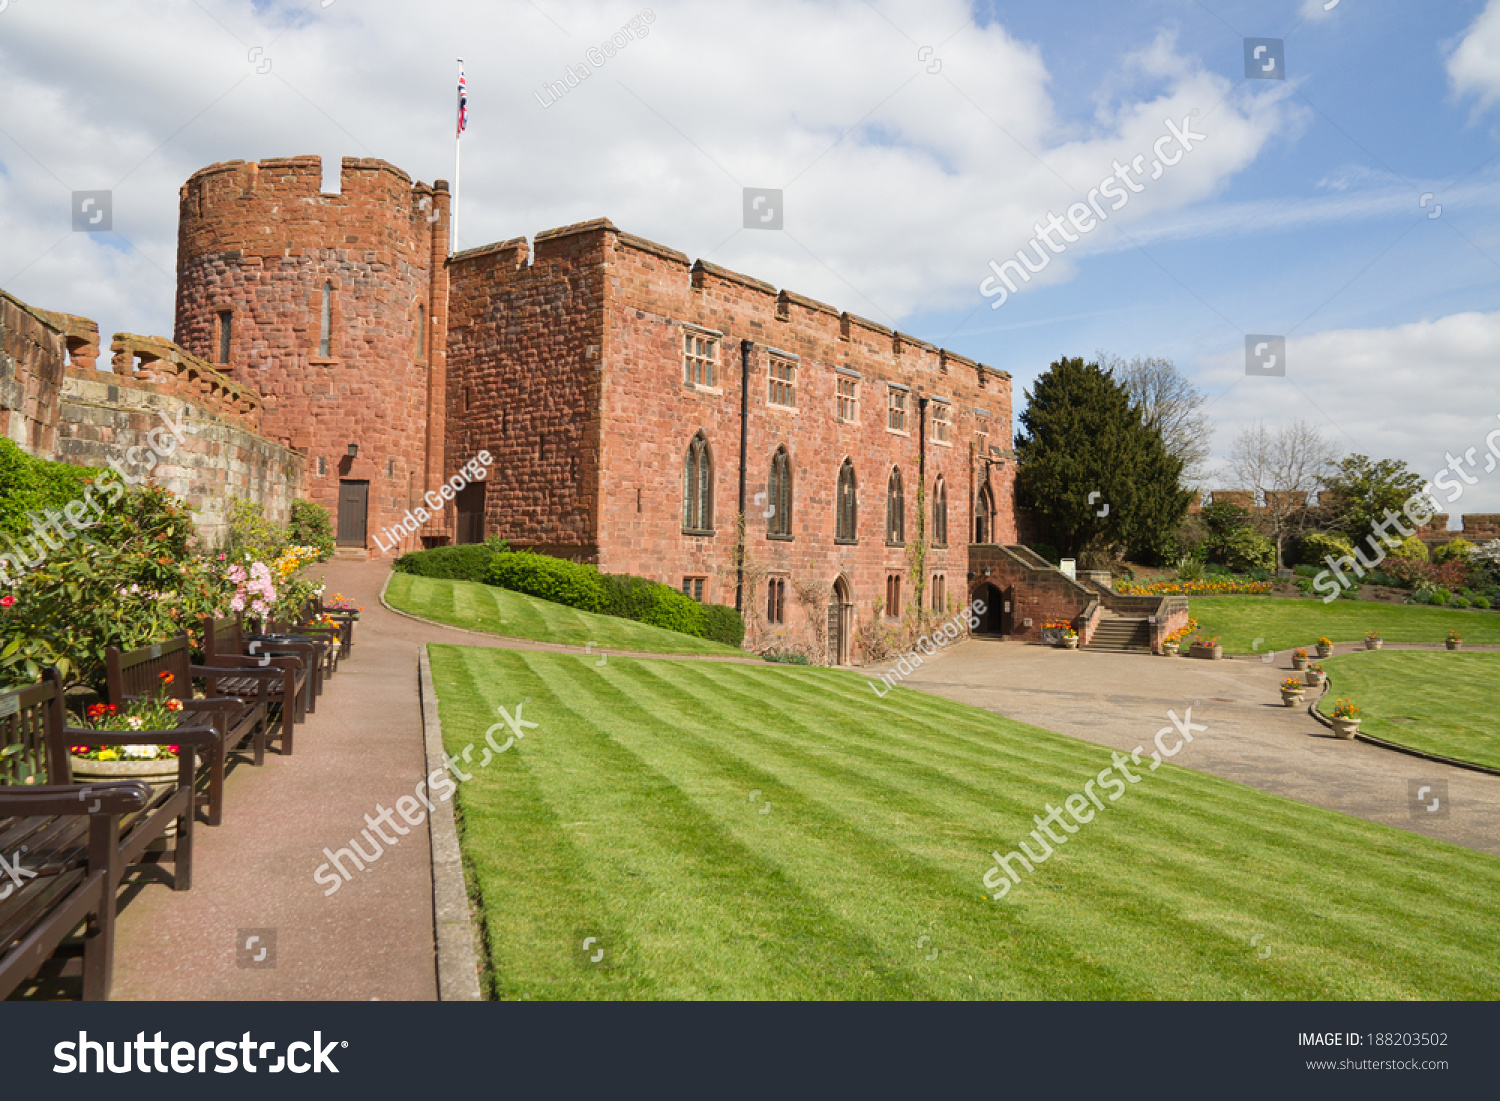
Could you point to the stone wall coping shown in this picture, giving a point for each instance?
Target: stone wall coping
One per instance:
(640, 244)
(703, 268)
(806, 303)
(593, 225)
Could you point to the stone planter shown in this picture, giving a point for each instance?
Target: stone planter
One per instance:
(1170, 649)
(1051, 635)
(1325, 651)
(1211, 653)
(1299, 664)
(1291, 699)
(1070, 643)
(1374, 643)
(1345, 728)
(1314, 680)
(159, 775)
(1454, 644)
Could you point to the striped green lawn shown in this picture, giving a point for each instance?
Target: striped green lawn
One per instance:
(1285, 622)
(481, 607)
(634, 814)
(1451, 697)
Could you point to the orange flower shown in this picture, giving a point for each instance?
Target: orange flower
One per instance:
(166, 678)
(174, 705)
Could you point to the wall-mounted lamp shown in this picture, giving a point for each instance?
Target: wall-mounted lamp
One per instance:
(354, 450)
(986, 571)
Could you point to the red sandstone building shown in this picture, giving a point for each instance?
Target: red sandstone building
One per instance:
(635, 402)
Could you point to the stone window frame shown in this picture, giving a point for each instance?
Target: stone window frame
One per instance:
(846, 401)
(779, 496)
(781, 380)
(895, 509)
(893, 596)
(942, 421)
(226, 335)
(939, 587)
(695, 586)
(420, 327)
(696, 366)
(698, 486)
(984, 513)
(846, 505)
(776, 600)
(328, 285)
(940, 512)
(322, 466)
(897, 408)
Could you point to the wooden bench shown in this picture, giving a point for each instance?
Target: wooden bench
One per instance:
(64, 852)
(137, 675)
(36, 740)
(224, 646)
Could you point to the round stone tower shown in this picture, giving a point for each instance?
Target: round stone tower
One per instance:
(333, 307)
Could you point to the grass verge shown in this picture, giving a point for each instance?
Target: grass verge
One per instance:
(1283, 623)
(481, 607)
(1448, 698)
(731, 831)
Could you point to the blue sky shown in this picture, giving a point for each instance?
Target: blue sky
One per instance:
(904, 170)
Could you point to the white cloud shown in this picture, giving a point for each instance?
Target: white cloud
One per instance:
(900, 183)
(1419, 392)
(1474, 65)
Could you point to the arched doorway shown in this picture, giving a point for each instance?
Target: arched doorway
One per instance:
(840, 621)
(995, 619)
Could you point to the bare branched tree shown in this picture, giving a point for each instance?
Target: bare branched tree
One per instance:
(1286, 468)
(1171, 405)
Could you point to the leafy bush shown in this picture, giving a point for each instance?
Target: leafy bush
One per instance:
(250, 533)
(676, 612)
(571, 583)
(466, 562)
(1316, 548)
(1455, 550)
(724, 624)
(1481, 602)
(786, 657)
(1421, 596)
(1460, 602)
(1217, 569)
(31, 486)
(1306, 571)
(1246, 549)
(1441, 597)
(628, 596)
(1380, 577)
(1410, 549)
(311, 526)
(1189, 569)
(1258, 573)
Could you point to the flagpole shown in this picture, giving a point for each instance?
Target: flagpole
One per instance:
(458, 144)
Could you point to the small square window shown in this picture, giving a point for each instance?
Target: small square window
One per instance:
(782, 384)
(693, 587)
(847, 406)
(322, 466)
(896, 410)
(700, 357)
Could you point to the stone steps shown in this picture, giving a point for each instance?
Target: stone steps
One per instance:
(1121, 633)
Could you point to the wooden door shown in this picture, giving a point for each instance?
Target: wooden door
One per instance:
(470, 506)
(354, 511)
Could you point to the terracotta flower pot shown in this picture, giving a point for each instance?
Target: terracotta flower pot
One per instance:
(159, 775)
(1345, 728)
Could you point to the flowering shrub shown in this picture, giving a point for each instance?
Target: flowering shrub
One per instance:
(253, 588)
(1209, 586)
(1292, 684)
(158, 712)
(1206, 642)
(1373, 636)
(1344, 709)
(1300, 652)
(1315, 668)
(1325, 642)
(1182, 632)
(339, 603)
(1454, 636)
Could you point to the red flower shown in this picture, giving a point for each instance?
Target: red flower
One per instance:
(78, 750)
(166, 678)
(7, 601)
(173, 748)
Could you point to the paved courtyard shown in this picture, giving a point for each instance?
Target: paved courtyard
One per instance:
(1122, 699)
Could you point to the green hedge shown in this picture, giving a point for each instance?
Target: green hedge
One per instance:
(30, 485)
(571, 583)
(617, 594)
(466, 562)
(311, 526)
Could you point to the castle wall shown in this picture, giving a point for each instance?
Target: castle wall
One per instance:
(33, 356)
(651, 414)
(260, 241)
(525, 361)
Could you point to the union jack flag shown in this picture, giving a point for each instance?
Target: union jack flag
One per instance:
(463, 101)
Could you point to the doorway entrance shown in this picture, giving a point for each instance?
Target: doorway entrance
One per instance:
(994, 619)
(354, 511)
(470, 505)
(840, 617)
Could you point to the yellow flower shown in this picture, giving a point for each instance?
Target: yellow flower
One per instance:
(109, 754)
